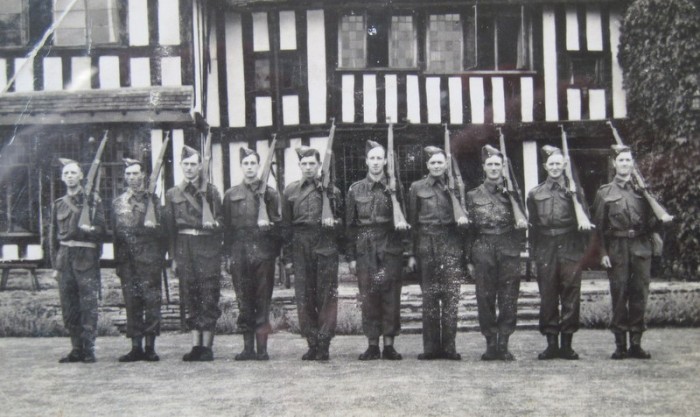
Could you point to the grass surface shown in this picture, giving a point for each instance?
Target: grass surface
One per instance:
(34, 384)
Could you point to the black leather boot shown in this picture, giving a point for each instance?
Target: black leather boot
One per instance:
(552, 350)
(372, 353)
(566, 351)
(76, 353)
(248, 353)
(310, 354)
(323, 353)
(261, 341)
(503, 352)
(620, 346)
(150, 354)
(636, 350)
(491, 353)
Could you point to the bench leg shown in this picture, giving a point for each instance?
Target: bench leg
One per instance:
(35, 280)
(5, 277)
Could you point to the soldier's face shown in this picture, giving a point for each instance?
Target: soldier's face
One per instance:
(493, 168)
(376, 160)
(555, 166)
(309, 167)
(250, 167)
(191, 167)
(133, 177)
(71, 175)
(437, 164)
(624, 163)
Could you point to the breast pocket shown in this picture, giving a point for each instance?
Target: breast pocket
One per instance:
(427, 200)
(544, 205)
(483, 209)
(180, 207)
(63, 218)
(238, 206)
(364, 207)
(617, 211)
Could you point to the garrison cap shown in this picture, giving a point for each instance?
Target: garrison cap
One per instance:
(549, 150)
(66, 161)
(618, 149)
(370, 144)
(188, 152)
(246, 152)
(429, 151)
(129, 162)
(306, 151)
(488, 151)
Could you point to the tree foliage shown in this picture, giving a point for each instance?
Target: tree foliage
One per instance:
(660, 57)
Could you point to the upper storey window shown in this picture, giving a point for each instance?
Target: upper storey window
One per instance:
(89, 22)
(13, 23)
(498, 40)
(444, 43)
(376, 40)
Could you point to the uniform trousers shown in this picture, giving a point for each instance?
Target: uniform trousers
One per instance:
(142, 295)
(629, 285)
(199, 266)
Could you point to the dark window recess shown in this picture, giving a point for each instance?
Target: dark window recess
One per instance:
(290, 71)
(497, 40)
(587, 70)
(13, 23)
(377, 40)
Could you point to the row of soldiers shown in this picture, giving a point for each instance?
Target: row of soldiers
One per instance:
(487, 241)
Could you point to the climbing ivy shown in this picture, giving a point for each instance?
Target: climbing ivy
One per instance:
(660, 57)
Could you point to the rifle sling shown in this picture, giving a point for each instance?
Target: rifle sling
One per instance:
(193, 202)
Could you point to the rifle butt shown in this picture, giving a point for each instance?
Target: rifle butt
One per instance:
(518, 214)
(207, 216)
(656, 208)
(399, 218)
(326, 211)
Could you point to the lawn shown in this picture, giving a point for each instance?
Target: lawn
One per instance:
(34, 384)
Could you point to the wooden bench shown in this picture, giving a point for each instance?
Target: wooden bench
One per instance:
(30, 266)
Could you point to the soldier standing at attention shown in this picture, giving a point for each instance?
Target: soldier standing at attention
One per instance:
(252, 247)
(494, 254)
(558, 247)
(195, 250)
(138, 251)
(624, 225)
(438, 244)
(76, 260)
(375, 253)
(311, 247)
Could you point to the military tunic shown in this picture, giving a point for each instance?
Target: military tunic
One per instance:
(494, 250)
(196, 250)
(437, 244)
(624, 225)
(75, 255)
(252, 252)
(378, 249)
(139, 253)
(557, 246)
(313, 249)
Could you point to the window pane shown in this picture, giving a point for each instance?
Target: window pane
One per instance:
(13, 23)
(402, 44)
(291, 74)
(262, 74)
(352, 39)
(508, 34)
(377, 41)
(103, 21)
(470, 41)
(486, 42)
(586, 70)
(444, 43)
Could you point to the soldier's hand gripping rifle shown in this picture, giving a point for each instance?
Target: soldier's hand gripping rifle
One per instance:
(263, 217)
(400, 222)
(584, 223)
(327, 218)
(658, 210)
(453, 178)
(150, 219)
(91, 184)
(208, 221)
(518, 213)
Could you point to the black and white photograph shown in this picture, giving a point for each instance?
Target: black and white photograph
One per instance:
(349, 208)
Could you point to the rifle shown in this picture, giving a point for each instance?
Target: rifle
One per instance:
(150, 219)
(400, 222)
(518, 213)
(327, 185)
(458, 210)
(207, 216)
(263, 218)
(91, 184)
(658, 210)
(584, 223)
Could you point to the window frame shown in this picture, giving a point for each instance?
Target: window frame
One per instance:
(120, 11)
(598, 58)
(23, 29)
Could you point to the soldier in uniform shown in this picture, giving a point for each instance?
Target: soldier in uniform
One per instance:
(311, 247)
(624, 225)
(558, 247)
(252, 246)
(75, 257)
(375, 253)
(138, 252)
(493, 252)
(195, 250)
(438, 245)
